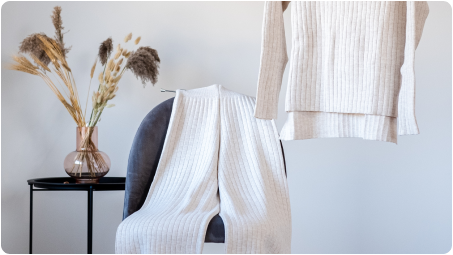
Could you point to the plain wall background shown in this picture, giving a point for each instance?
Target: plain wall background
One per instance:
(347, 195)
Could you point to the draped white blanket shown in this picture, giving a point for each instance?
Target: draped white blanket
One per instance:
(216, 158)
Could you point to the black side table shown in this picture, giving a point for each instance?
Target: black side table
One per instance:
(57, 184)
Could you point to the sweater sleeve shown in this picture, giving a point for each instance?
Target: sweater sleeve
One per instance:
(273, 61)
(416, 14)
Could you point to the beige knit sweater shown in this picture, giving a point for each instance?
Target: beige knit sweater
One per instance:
(351, 72)
(217, 158)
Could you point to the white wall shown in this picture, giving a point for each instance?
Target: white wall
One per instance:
(347, 195)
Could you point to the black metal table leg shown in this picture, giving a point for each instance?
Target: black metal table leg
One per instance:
(90, 220)
(31, 220)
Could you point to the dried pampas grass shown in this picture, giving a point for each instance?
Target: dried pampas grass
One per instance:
(58, 24)
(144, 63)
(33, 46)
(105, 50)
(71, 104)
(45, 50)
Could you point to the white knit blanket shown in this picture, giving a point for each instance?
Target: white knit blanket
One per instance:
(216, 158)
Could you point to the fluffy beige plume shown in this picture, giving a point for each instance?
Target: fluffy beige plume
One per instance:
(94, 99)
(110, 64)
(113, 66)
(112, 88)
(117, 78)
(128, 37)
(101, 78)
(93, 68)
(118, 64)
(118, 54)
(98, 98)
(107, 74)
(138, 40)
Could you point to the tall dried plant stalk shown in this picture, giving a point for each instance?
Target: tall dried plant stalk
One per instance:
(60, 69)
(58, 24)
(93, 68)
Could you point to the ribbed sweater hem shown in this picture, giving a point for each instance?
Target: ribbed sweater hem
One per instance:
(308, 125)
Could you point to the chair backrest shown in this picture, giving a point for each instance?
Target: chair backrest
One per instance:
(144, 156)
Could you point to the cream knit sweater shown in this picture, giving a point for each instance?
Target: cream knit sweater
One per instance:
(352, 68)
(217, 158)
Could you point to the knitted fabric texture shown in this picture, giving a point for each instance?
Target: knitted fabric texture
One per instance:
(216, 158)
(351, 72)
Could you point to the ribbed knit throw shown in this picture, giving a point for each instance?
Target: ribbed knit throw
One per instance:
(216, 158)
(351, 68)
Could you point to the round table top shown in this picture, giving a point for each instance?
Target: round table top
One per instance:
(105, 183)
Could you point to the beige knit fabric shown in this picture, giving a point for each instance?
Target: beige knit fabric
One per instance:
(352, 68)
(216, 158)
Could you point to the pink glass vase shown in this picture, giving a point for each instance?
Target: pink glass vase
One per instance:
(87, 164)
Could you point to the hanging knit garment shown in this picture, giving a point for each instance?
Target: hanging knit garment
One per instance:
(216, 158)
(351, 68)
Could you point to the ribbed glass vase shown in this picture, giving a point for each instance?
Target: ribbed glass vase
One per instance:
(87, 164)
